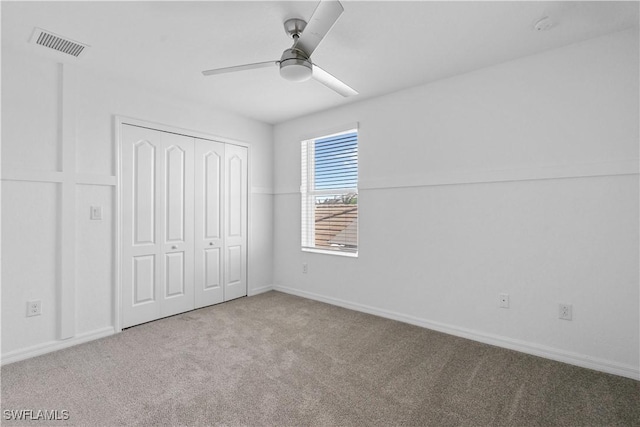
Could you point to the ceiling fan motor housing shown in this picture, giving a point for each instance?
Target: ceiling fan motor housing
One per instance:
(295, 65)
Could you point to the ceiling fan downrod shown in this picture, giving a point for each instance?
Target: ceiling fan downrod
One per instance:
(294, 64)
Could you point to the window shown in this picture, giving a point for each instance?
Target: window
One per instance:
(330, 193)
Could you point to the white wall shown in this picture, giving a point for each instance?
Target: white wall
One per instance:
(519, 178)
(57, 127)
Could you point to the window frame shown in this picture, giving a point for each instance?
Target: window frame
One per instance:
(309, 193)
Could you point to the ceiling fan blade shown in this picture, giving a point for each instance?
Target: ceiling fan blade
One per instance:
(332, 82)
(323, 18)
(240, 68)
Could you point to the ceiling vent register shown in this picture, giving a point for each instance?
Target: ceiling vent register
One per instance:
(61, 44)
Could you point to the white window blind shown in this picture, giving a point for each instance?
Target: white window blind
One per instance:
(330, 193)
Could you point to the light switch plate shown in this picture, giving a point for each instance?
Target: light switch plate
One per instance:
(96, 213)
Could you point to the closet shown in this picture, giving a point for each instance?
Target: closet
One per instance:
(184, 223)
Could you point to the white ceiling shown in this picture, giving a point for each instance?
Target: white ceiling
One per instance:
(376, 47)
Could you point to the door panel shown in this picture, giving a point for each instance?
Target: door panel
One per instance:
(140, 251)
(212, 268)
(235, 265)
(175, 274)
(209, 181)
(234, 205)
(144, 192)
(143, 279)
(176, 197)
(212, 190)
(176, 214)
(157, 195)
(235, 283)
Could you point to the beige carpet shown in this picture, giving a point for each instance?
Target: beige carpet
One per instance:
(280, 360)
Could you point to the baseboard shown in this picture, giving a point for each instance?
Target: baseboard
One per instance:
(571, 358)
(260, 290)
(40, 349)
(48, 347)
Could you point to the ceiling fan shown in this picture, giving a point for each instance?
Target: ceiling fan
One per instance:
(295, 62)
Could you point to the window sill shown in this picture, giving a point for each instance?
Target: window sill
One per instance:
(320, 251)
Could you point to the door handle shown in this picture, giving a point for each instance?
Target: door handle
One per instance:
(174, 247)
(210, 243)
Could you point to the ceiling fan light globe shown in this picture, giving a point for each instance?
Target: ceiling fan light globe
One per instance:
(296, 70)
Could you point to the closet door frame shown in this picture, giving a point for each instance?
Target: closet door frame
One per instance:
(118, 122)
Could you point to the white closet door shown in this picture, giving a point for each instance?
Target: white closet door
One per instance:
(176, 214)
(209, 222)
(235, 242)
(157, 189)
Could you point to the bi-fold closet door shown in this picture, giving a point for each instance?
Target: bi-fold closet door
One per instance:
(184, 223)
(221, 233)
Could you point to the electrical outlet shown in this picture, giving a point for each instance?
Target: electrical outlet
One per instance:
(34, 308)
(504, 300)
(305, 268)
(565, 311)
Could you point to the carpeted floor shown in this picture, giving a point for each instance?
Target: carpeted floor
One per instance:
(280, 360)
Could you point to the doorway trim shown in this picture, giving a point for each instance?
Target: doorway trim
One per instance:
(118, 122)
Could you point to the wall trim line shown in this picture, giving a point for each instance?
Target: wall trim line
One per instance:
(32, 175)
(539, 350)
(566, 171)
(92, 179)
(260, 290)
(51, 346)
(66, 285)
(262, 190)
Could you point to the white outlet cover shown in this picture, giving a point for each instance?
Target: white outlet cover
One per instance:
(565, 311)
(34, 308)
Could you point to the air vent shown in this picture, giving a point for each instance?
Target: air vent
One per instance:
(61, 44)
